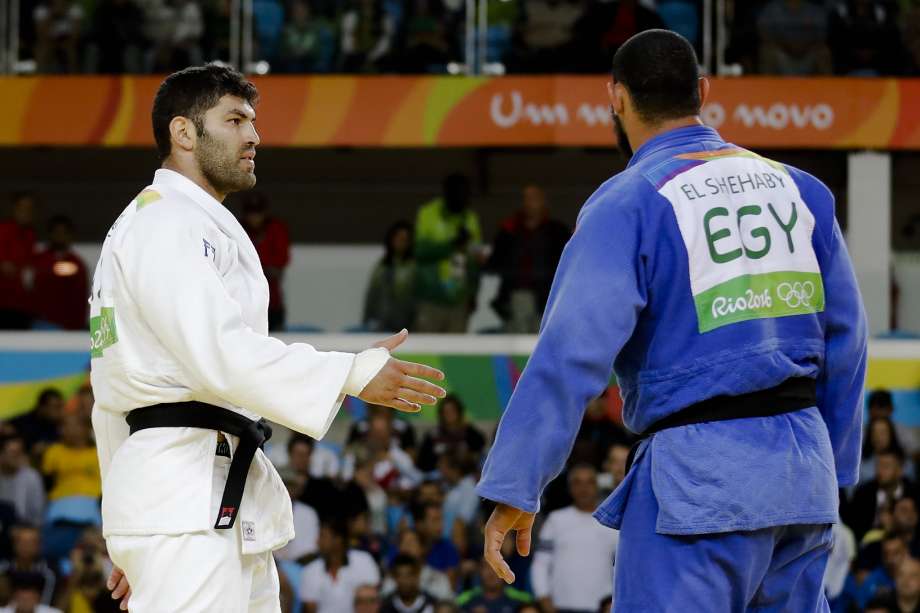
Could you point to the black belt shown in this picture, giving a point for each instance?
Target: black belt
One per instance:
(194, 414)
(791, 395)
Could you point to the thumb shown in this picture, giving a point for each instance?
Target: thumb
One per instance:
(394, 341)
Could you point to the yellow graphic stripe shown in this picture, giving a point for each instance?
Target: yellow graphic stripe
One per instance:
(117, 134)
(17, 398)
(893, 374)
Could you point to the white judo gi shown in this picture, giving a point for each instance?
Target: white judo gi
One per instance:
(179, 312)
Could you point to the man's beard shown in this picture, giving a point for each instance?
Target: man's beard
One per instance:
(620, 132)
(222, 168)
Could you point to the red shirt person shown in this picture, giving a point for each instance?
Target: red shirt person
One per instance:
(17, 246)
(61, 287)
(270, 237)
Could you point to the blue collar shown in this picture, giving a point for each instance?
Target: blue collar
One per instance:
(675, 138)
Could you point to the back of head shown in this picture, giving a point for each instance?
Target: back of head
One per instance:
(659, 68)
(190, 93)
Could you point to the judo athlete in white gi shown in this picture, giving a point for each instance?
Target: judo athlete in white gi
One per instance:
(183, 371)
(716, 285)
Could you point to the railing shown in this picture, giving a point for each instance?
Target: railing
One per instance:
(242, 49)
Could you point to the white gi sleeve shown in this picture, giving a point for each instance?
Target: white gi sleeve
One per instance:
(170, 273)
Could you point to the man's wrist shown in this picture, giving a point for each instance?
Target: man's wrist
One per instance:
(365, 367)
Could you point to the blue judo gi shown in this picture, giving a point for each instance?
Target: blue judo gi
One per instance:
(701, 270)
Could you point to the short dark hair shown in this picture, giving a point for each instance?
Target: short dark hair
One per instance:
(190, 93)
(60, 220)
(47, 394)
(405, 559)
(660, 70)
(895, 453)
(880, 398)
(298, 438)
(454, 399)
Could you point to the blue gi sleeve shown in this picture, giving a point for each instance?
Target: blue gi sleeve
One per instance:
(843, 374)
(840, 384)
(597, 295)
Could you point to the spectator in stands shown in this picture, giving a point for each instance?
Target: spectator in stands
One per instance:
(546, 34)
(793, 39)
(61, 285)
(614, 469)
(318, 492)
(888, 486)
(309, 458)
(306, 521)
(882, 604)
(743, 47)
(525, 254)
(27, 558)
(571, 568)
(178, 32)
(403, 432)
(329, 583)
(117, 37)
(904, 523)
(20, 484)
(907, 586)
(367, 36)
(440, 553)
(26, 598)
(270, 237)
(58, 25)
(71, 466)
(425, 48)
(364, 538)
(597, 432)
(606, 26)
(910, 25)
(39, 427)
(461, 502)
(90, 566)
(431, 581)
(447, 248)
(306, 41)
(864, 38)
(367, 599)
(452, 434)
(492, 595)
(389, 304)
(866, 583)
(392, 468)
(880, 436)
(17, 246)
(408, 596)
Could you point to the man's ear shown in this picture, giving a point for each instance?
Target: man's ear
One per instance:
(183, 133)
(704, 90)
(616, 93)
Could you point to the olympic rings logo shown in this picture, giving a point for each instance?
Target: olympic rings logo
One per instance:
(796, 294)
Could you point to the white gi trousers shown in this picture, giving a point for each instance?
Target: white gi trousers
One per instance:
(197, 572)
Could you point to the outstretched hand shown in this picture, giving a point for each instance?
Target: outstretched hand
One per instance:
(504, 519)
(398, 384)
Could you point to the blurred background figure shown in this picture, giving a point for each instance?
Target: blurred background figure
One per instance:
(270, 237)
(17, 247)
(525, 254)
(329, 583)
(26, 595)
(447, 248)
(58, 29)
(20, 484)
(408, 596)
(389, 304)
(61, 284)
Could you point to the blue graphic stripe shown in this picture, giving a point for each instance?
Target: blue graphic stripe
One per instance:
(24, 366)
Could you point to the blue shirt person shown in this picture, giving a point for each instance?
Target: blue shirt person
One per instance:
(703, 271)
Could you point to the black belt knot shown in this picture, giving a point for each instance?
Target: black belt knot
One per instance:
(194, 414)
(791, 395)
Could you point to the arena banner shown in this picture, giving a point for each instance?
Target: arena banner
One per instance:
(481, 369)
(402, 111)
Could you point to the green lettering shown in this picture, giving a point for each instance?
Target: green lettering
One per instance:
(713, 237)
(759, 232)
(787, 227)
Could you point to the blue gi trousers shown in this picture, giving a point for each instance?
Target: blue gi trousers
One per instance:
(770, 570)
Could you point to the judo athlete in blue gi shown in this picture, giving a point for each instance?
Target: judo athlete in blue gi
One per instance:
(716, 285)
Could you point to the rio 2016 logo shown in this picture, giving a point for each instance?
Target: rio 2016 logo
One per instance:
(796, 294)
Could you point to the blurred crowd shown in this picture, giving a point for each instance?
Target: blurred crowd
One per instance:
(782, 37)
(387, 517)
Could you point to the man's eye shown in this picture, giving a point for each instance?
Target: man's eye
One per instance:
(236, 121)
